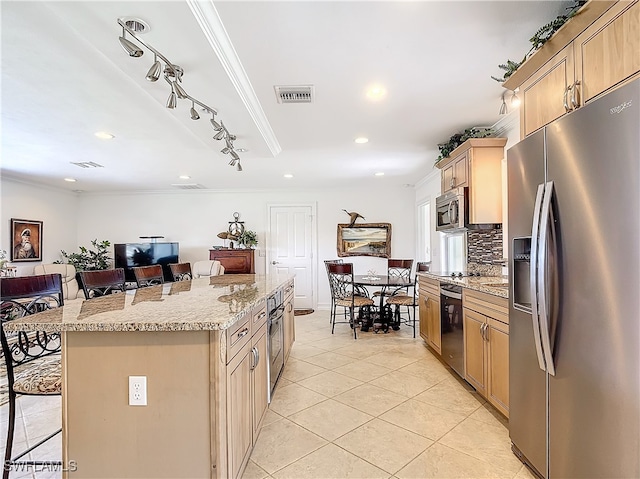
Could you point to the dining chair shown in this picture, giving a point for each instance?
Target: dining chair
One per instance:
(398, 268)
(100, 282)
(345, 294)
(409, 301)
(181, 271)
(148, 275)
(332, 308)
(32, 358)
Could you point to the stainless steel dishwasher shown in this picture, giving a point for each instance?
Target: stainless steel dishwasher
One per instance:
(452, 326)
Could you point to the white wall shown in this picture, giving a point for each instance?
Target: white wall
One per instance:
(194, 218)
(55, 208)
(428, 189)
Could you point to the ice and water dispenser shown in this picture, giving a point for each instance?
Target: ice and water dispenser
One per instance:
(522, 273)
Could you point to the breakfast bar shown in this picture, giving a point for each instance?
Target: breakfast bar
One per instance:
(201, 347)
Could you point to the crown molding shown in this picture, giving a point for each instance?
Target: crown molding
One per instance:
(213, 29)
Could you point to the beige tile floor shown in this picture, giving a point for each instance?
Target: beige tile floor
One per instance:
(381, 406)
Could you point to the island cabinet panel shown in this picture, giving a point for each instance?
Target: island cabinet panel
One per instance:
(259, 380)
(170, 437)
(429, 310)
(235, 261)
(239, 410)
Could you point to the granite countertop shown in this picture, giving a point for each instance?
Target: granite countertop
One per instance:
(203, 304)
(484, 284)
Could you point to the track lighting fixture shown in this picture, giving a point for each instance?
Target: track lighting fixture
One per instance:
(515, 99)
(156, 69)
(129, 47)
(503, 108)
(194, 113)
(173, 76)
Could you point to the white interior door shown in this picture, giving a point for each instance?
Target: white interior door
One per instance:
(291, 248)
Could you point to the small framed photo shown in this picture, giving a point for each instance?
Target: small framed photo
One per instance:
(26, 240)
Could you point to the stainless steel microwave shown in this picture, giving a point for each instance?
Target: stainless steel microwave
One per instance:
(452, 210)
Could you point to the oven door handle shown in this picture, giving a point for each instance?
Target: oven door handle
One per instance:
(450, 294)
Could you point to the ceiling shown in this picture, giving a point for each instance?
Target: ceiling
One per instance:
(65, 77)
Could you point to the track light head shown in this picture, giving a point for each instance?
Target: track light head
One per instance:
(225, 150)
(130, 47)
(503, 108)
(154, 72)
(171, 101)
(194, 113)
(219, 135)
(215, 124)
(238, 166)
(515, 99)
(234, 155)
(180, 91)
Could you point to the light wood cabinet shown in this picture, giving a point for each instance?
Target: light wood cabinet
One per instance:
(454, 175)
(429, 310)
(247, 387)
(593, 53)
(289, 320)
(477, 164)
(486, 346)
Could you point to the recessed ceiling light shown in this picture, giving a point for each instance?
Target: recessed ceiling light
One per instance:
(184, 177)
(70, 180)
(361, 140)
(379, 173)
(376, 92)
(103, 135)
(288, 175)
(241, 150)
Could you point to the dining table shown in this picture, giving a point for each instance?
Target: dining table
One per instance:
(389, 285)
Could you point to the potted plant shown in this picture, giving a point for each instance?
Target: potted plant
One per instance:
(249, 239)
(89, 259)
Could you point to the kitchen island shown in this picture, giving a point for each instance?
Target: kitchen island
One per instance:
(200, 344)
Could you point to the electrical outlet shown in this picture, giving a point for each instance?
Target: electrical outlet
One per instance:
(137, 390)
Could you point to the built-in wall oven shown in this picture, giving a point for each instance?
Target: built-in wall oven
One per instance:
(452, 326)
(275, 308)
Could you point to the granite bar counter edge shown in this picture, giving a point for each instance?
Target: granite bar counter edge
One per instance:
(476, 283)
(202, 304)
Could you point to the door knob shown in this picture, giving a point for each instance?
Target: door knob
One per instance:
(275, 262)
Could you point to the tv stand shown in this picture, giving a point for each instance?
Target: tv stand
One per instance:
(235, 261)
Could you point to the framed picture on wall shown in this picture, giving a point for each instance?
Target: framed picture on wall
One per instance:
(26, 240)
(365, 239)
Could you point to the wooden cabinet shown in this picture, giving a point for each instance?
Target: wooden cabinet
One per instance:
(247, 387)
(486, 346)
(454, 174)
(477, 164)
(429, 310)
(289, 320)
(235, 261)
(593, 53)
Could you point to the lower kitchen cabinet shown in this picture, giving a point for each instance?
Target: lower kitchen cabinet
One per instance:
(289, 320)
(429, 310)
(247, 390)
(486, 347)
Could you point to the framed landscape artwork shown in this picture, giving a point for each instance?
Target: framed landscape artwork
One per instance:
(26, 240)
(365, 239)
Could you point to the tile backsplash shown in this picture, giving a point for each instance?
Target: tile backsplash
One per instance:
(484, 246)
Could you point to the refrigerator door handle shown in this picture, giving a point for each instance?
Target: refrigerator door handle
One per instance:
(533, 279)
(547, 221)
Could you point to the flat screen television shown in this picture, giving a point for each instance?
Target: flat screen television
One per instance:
(128, 255)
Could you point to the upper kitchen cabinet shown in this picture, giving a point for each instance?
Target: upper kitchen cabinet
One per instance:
(593, 53)
(476, 164)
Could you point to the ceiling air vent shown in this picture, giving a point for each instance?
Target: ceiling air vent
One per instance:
(189, 186)
(87, 164)
(294, 94)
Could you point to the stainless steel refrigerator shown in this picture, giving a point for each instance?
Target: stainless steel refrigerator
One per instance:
(574, 337)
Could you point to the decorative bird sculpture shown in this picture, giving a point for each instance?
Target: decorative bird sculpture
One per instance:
(228, 236)
(354, 216)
